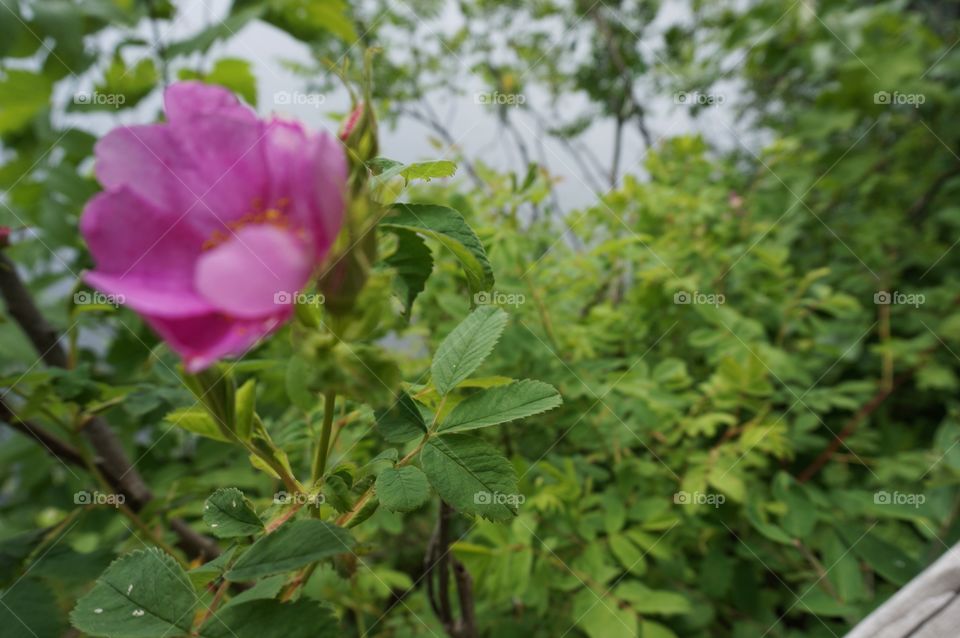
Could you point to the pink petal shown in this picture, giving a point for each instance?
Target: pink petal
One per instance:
(254, 272)
(231, 178)
(142, 254)
(184, 100)
(309, 171)
(149, 161)
(202, 340)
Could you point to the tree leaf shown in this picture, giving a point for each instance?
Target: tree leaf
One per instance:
(413, 264)
(294, 545)
(402, 422)
(502, 404)
(449, 228)
(402, 489)
(471, 475)
(303, 618)
(466, 347)
(230, 514)
(141, 595)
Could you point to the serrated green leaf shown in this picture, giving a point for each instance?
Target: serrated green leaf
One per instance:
(449, 228)
(230, 514)
(402, 489)
(294, 545)
(402, 422)
(413, 263)
(141, 595)
(502, 404)
(471, 475)
(466, 347)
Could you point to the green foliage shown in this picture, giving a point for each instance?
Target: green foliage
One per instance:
(740, 421)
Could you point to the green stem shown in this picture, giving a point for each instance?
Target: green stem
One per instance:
(323, 449)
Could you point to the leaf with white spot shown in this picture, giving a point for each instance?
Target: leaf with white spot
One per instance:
(230, 514)
(141, 595)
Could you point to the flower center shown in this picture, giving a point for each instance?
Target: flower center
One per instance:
(275, 216)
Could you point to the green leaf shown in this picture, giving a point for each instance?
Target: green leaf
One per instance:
(502, 404)
(429, 170)
(308, 20)
(600, 617)
(402, 422)
(29, 610)
(449, 228)
(246, 409)
(466, 347)
(126, 85)
(402, 489)
(141, 595)
(258, 618)
(232, 73)
(649, 601)
(385, 169)
(22, 96)
(198, 421)
(413, 264)
(230, 514)
(886, 559)
(294, 545)
(471, 475)
(628, 554)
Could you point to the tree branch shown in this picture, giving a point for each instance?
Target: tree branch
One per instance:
(110, 458)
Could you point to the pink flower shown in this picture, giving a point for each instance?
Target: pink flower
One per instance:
(4, 236)
(213, 221)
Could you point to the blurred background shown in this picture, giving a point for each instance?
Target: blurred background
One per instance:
(726, 231)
